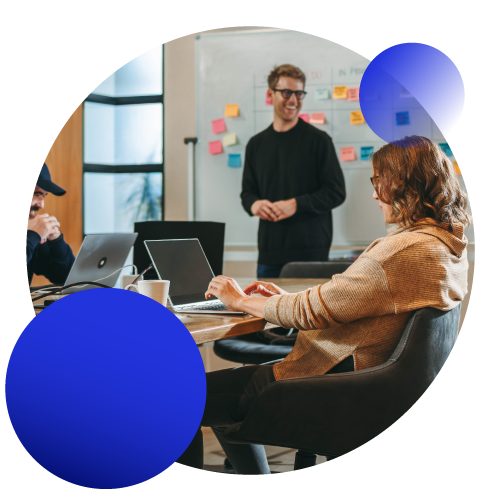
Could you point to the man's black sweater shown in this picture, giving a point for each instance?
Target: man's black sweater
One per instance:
(52, 259)
(302, 164)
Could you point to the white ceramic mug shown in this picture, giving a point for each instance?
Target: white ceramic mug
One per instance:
(154, 289)
(126, 279)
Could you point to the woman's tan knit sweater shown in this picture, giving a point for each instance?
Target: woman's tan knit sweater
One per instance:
(363, 311)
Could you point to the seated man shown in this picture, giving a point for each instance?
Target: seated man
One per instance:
(47, 254)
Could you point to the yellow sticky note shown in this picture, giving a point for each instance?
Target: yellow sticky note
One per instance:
(357, 118)
(229, 139)
(232, 110)
(340, 92)
(457, 169)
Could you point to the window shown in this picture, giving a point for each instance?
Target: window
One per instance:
(123, 161)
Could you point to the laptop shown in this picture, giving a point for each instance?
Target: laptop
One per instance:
(183, 263)
(99, 256)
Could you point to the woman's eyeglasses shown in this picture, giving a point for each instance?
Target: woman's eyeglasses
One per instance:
(371, 180)
(299, 94)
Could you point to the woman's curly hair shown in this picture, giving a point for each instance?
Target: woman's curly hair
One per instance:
(416, 178)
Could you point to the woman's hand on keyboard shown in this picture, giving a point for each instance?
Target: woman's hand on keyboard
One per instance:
(264, 288)
(226, 290)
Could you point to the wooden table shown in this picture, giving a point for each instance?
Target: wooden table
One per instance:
(209, 327)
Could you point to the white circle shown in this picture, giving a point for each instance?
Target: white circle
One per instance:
(54, 44)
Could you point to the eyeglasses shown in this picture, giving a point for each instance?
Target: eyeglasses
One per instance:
(371, 180)
(299, 94)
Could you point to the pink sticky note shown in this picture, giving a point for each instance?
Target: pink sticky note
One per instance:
(305, 117)
(218, 126)
(353, 94)
(215, 147)
(317, 118)
(268, 100)
(347, 154)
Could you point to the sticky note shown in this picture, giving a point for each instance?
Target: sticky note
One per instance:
(305, 117)
(340, 92)
(321, 94)
(446, 148)
(457, 169)
(229, 139)
(317, 118)
(357, 118)
(268, 100)
(234, 161)
(232, 110)
(403, 118)
(218, 126)
(347, 154)
(366, 152)
(215, 147)
(353, 94)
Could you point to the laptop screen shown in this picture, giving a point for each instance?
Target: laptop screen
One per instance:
(184, 264)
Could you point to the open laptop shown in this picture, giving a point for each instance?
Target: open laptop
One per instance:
(99, 256)
(183, 263)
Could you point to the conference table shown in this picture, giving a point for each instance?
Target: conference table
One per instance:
(209, 327)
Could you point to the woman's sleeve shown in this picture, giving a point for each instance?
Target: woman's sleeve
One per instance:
(362, 291)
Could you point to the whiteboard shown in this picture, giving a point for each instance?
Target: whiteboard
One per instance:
(232, 68)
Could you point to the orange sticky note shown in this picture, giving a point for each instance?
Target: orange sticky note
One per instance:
(232, 110)
(218, 126)
(353, 94)
(357, 118)
(340, 92)
(347, 154)
(457, 169)
(317, 118)
(305, 117)
(215, 147)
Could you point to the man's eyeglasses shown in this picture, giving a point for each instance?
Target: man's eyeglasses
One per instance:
(299, 94)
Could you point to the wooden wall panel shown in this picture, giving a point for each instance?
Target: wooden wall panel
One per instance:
(65, 164)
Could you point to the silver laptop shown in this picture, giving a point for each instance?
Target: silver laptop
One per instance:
(100, 255)
(184, 264)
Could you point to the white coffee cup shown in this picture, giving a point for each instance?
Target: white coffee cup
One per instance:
(127, 279)
(154, 289)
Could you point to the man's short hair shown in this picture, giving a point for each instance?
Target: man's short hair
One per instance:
(285, 70)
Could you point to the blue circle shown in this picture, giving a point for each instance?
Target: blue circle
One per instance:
(411, 89)
(105, 388)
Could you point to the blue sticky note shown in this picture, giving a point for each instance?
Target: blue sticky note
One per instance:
(403, 118)
(366, 152)
(321, 94)
(446, 149)
(234, 161)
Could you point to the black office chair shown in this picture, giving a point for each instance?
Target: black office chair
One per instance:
(267, 346)
(333, 414)
(262, 347)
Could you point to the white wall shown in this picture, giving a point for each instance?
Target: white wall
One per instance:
(180, 119)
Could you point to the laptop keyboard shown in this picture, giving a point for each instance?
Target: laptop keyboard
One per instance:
(216, 307)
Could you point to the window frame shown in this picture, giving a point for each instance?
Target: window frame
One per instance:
(120, 168)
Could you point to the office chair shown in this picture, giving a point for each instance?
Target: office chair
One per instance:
(334, 414)
(210, 235)
(262, 347)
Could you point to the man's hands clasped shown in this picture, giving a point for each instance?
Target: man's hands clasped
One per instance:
(47, 226)
(279, 210)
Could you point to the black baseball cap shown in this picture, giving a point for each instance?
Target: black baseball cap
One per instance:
(45, 182)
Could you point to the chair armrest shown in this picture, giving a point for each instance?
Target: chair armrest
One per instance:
(337, 412)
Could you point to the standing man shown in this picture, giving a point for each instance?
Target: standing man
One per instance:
(291, 180)
(47, 254)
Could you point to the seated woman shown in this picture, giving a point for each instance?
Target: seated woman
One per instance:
(355, 320)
